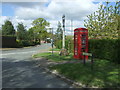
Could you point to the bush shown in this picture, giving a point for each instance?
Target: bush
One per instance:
(58, 44)
(105, 49)
(24, 43)
(68, 45)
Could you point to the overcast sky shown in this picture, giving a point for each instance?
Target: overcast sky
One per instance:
(52, 10)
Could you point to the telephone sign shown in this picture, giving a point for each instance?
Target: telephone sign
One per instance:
(80, 43)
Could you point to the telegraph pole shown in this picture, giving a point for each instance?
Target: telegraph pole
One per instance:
(52, 41)
(63, 20)
(71, 26)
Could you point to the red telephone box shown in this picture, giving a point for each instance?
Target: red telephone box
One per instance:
(80, 43)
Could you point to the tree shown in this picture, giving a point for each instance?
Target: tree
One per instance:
(59, 31)
(39, 26)
(8, 28)
(31, 34)
(21, 32)
(0, 32)
(104, 23)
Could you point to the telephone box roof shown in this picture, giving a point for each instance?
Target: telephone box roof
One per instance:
(80, 29)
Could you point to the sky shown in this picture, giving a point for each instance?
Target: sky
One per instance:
(18, 11)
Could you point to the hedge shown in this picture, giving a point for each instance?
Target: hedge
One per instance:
(8, 41)
(68, 45)
(105, 49)
(101, 48)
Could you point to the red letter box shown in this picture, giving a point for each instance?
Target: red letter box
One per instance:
(80, 43)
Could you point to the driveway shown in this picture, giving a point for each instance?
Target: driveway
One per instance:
(20, 70)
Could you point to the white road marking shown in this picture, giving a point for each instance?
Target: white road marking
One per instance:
(18, 53)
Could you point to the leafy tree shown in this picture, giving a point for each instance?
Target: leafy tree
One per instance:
(8, 28)
(21, 32)
(0, 32)
(31, 34)
(59, 31)
(39, 26)
(104, 23)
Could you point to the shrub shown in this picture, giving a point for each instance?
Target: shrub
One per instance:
(25, 43)
(68, 45)
(58, 44)
(105, 49)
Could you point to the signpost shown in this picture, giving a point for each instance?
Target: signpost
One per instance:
(88, 54)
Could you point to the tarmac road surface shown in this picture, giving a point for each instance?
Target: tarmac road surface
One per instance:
(19, 70)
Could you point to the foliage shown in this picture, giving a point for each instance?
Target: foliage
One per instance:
(0, 32)
(39, 26)
(59, 32)
(104, 73)
(58, 44)
(101, 48)
(105, 49)
(24, 43)
(24, 37)
(68, 44)
(8, 28)
(21, 32)
(104, 23)
(31, 34)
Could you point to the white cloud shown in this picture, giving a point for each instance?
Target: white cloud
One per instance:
(31, 13)
(15, 21)
(53, 10)
(24, 0)
(24, 4)
(2, 19)
(73, 10)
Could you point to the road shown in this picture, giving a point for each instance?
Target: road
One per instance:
(19, 70)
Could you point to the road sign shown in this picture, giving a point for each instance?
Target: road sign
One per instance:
(87, 54)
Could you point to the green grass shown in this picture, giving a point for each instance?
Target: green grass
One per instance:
(104, 73)
(41, 55)
(55, 57)
(55, 49)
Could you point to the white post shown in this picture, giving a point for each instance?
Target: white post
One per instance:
(63, 44)
(63, 38)
(71, 26)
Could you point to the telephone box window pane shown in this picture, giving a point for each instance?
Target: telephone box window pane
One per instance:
(83, 35)
(83, 46)
(75, 53)
(82, 31)
(83, 42)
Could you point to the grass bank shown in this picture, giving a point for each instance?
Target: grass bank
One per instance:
(104, 73)
(55, 57)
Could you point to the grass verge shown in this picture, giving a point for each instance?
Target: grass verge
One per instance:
(104, 73)
(55, 57)
(55, 49)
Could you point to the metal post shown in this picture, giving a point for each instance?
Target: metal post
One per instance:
(52, 41)
(84, 60)
(63, 44)
(92, 62)
(51, 29)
